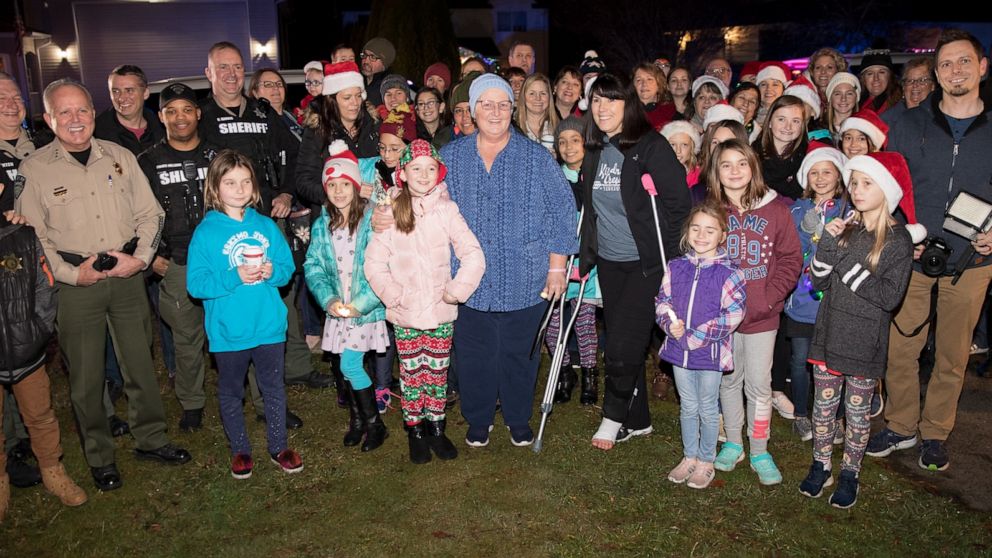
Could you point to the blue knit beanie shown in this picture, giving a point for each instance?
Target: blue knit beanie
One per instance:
(484, 83)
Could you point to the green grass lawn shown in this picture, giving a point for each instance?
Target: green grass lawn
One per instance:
(569, 500)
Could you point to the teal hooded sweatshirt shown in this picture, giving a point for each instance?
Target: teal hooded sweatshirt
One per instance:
(239, 316)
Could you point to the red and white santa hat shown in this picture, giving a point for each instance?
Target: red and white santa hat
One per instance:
(677, 127)
(315, 65)
(342, 163)
(720, 112)
(340, 76)
(771, 70)
(889, 170)
(868, 123)
(804, 89)
(817, 152)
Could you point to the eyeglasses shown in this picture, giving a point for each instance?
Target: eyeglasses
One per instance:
(490, 106)
(273, 84)
(460, 111)
(370, 55)
(426, 105)
(718, 71)
(390, 150)
(313, 83)
(919, 82)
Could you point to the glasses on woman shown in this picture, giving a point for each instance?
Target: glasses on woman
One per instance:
(490, 106)
(394, 150)
(918, 82)
(273, 84)
(426, 105)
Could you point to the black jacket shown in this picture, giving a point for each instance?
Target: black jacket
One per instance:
(109, 128)
(650, 155)
(851, 335)
(27, 302)
(258, 133)
(780, 174)
(180, 195)
(313, 152)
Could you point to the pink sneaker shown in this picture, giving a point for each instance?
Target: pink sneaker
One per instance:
(289, 461)
(241, 466)
(702, 476)
(682, 471)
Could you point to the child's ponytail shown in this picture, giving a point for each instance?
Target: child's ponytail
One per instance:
(403, 211)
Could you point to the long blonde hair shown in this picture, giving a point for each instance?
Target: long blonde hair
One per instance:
(880, 230)
(550, 116)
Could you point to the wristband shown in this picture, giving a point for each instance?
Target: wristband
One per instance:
(557, 270)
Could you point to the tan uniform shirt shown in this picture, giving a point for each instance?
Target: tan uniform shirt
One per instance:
(88, 209)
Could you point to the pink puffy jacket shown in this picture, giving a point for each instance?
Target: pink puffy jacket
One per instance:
(411, 272)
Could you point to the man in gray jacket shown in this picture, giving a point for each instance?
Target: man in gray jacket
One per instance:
(946, 141)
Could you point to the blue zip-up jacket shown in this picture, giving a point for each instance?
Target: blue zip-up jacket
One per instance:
(802, 305)
(321, 270)
(940, 168)
(238, 316)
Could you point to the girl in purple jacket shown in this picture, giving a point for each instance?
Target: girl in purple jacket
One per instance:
(700, 304)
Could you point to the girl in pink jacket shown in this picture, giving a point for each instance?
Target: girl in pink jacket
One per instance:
(409, 268)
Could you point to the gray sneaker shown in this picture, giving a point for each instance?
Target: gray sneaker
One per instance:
(803, 428)
(840, 432)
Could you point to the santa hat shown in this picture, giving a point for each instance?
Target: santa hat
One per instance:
(771, 70)
(817, 152)
(889, 170)
(420, 148)
(584, 101)
(315, 65)
(750, 69)
(701, 80)
(844, 77)
(340, 76)
(400, 123)
(676, 127)
(342, 163)
(720, 112)
(804, 89)
(868, 123)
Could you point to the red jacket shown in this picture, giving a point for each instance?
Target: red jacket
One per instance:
(764, 244)
(661, 114)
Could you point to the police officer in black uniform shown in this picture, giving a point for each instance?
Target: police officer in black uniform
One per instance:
(176, 168)
(232, 120)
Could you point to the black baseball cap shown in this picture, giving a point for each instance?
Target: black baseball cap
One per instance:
(175, 91)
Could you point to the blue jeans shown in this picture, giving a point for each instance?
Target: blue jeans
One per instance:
(232, 369)
(799, 370)
(699, 412)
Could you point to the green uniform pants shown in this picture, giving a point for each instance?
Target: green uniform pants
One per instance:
(185, 317)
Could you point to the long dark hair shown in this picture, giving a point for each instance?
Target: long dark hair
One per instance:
(330, 125)
(356, 213)
(635, 121)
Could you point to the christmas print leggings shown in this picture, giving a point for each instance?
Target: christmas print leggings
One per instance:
(857, 392)
(585, 333)
(424, 357)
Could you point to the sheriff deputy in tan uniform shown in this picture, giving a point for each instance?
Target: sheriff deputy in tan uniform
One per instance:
(87, 197)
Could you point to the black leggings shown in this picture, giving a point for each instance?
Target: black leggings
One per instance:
(628, 313)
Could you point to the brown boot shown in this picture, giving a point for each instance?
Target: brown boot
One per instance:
(4, 495)
(58, 483)
(661, 384)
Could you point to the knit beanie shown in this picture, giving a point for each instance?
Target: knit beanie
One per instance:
(341, 76)
(395, 81)
(400, 123)
(844, 77)
(382, 48)
(342, 163)
(440, 70)
(876, 57)
(484, 83)
(420, 148)
(676, 127)
(592, 63)
(459, 94)
(722, 87)
(720, 112)
(868, 123)
(804, 89)
(573, 123)
(314, 65)
(889, 170)
(817, 152)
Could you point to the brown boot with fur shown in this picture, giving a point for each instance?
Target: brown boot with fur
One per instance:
(4, 495)
(58, 483)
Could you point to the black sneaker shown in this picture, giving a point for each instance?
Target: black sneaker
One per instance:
(815, 481)
(192, 420)
(846, 493)
(886, 441)
(933, 455)
(118, 427)
(292, 421)
(22, 473)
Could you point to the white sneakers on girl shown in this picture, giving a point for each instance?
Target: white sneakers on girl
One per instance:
(683, 470)
(702, 476)
(783, 405)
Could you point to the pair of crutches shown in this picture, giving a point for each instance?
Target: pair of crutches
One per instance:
(561, 341)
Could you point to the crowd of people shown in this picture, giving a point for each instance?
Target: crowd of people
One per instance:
(762, 234)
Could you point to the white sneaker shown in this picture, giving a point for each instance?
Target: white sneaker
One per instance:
(783, 405)
(682, 471)
(702, 476)
(976, 350)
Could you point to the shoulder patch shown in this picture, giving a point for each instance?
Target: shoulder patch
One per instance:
(19, 185)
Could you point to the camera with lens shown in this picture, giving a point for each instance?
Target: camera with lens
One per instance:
(934, 257)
